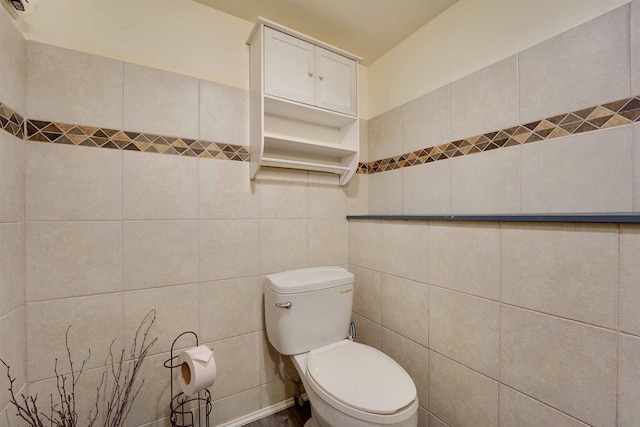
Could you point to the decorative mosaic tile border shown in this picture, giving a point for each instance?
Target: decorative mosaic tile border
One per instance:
(604, 116)
(63, 133)
(11, 122)
(363, 168)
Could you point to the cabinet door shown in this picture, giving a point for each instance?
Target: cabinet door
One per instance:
(336, 82)
(288, 67)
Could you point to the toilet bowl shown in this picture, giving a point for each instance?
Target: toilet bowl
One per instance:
(354, 385)
(307, 315)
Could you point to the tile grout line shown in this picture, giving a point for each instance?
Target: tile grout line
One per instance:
(122, 221)
(449, 138)
(635, 146)
(531, 310)
(437, 418)
(308, 216)
(500, 225)
(428, 340)
(402, 120)
(198, 215)
(165, 353)
(519, 98)
(546, 404)
(629, 40)
(10, 312)
(475, 370)
(520, 198)
(619, 323)
(634, 184)
(24, 213)
(130, 291)
(499, 383)
(581, 322)
(519, 103)
(619, 281)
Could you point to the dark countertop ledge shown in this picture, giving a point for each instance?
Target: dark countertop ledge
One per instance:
(618, 218)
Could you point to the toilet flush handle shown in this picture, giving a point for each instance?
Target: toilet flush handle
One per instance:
(283, 304)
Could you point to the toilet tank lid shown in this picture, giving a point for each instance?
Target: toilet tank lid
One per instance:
(307, 279)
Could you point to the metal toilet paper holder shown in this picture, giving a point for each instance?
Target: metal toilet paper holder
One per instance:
(182, 406)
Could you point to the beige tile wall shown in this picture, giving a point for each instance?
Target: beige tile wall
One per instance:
(512, 324)
(12, 227)
(484, 101)
(465, 329)
(404, 304)
(80, 183)
(579, 278)
(635, 149)
(635, 47)
(385, 134)
(358, 188)
(629, 377)
(566, 364)
(588, 65)
(477, 248)
(584, 67)
(72, 87)
(12, 266)
(426, 188)
(417, 132)
(159, 187)
(12, 334)
(199, 274)
(13, 48)
(384, 197)
(65, 260)
(12, 183)
(229, 124)
(160, 102)
(524, 321)
(412, 356)
(557, 177)
(473, 176)
(517, 409)
(111, 234)
(526, 324)
(460, 395)
(397, 258)
(629, 275)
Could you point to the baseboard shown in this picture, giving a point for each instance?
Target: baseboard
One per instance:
(264, 412)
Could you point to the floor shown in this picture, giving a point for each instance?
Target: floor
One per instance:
(294, 416)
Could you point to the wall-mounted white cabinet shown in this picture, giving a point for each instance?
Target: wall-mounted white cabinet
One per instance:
(300, 71)
(304, 111)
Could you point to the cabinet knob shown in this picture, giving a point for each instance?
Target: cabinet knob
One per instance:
(310, 74)
(321, 77)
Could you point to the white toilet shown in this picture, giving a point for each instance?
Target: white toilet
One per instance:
(308, 313)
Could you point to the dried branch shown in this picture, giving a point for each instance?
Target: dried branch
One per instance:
(26, 407)
(125, 372)
(94, 417)
(118, 397)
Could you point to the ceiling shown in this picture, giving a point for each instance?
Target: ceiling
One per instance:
(367, 28)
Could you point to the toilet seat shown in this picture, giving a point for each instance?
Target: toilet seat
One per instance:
(362, 382)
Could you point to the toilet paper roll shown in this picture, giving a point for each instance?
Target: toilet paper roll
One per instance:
(197, 369)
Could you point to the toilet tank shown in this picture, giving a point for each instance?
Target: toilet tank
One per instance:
(307, 308)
